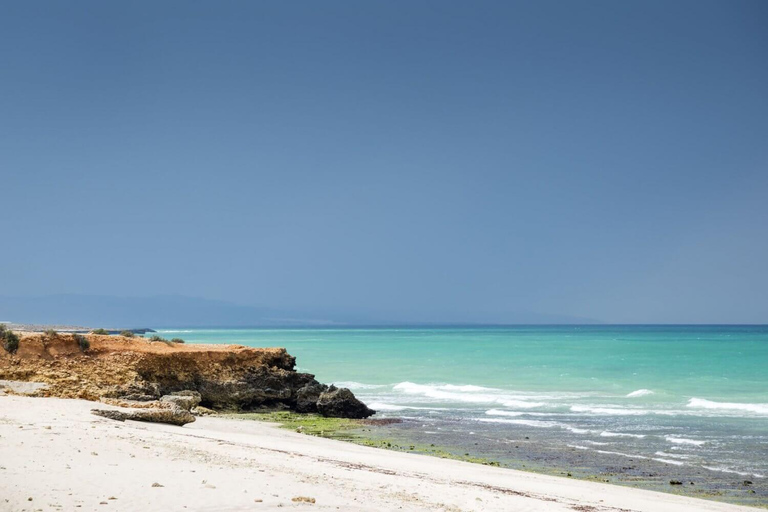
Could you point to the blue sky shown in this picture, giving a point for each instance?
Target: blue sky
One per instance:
(423, 161)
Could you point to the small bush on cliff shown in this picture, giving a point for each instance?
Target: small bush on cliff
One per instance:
(177, 340)
(51, 333)
(157, 338)
(99, 331)
(82, 342)
(9, 340)
(127, 334)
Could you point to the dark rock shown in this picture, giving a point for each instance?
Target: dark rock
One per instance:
(307, 397)
(341, 403)
(675, 482)
(138, 397)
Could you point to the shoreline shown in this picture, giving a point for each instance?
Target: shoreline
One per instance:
(539, 457)
(62, 457)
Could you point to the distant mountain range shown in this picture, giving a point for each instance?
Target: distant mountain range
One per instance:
(177, 311)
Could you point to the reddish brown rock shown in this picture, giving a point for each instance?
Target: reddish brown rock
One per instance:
(227, 377)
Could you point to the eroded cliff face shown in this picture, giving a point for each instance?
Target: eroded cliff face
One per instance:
(228, 377)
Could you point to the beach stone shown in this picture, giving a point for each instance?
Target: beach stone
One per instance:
(174, 415)
(112, 415)
(187, 400)
(341, 403)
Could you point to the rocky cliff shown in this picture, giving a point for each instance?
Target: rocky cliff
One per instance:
(228, 377)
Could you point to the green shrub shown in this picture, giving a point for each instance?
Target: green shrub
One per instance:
(51, 333)
(127, 334)
(157, 338)
(9, 339)
(177, 340)
(99, 331)
(82, 342)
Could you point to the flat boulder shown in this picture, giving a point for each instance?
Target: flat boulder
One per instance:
(173, 415)
(187, 400)
(341, 403)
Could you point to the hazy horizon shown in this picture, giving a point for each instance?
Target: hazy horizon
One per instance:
(425, 162)
(174, 311)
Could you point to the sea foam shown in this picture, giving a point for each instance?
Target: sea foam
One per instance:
(683, 440)
(606, 433)
(609, 411)
(700, 403)
(357, 385)
(498, 412)
(466, 394)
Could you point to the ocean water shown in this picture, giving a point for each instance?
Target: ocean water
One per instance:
(691, 399)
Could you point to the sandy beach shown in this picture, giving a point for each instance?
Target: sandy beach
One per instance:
(55, 455)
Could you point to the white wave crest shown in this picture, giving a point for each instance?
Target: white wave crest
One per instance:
(376, 406)
(527, 423)
(669, 461)
(469, 388)
(521, 403)
(673, 455)
(381, 406)
(683, 440)
(357, 385)
(609, 411)
(499, 412)
(640, 392)
(466, 394)
(622, 454)
(606, 433)
(700, 403)
(724, 469)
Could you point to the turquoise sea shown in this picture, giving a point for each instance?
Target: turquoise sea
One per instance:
(690, 399)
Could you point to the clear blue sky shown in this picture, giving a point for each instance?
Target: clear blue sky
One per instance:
(422, 160)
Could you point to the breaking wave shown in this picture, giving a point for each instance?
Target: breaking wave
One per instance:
(357, 385)
(683, 440)
(466, 394)
(640, 392)
(700, 403)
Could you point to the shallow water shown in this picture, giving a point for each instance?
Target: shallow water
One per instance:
(690, 400)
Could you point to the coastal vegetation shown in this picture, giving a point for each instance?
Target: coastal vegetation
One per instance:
(177, 340)
(82, 342)
(99, 331)
(127, 334)
(9, 339)
(51, 333)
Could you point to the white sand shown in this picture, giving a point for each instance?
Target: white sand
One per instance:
(63, 458)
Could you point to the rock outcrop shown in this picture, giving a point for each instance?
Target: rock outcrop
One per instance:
(225, 377)
(341, 403)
